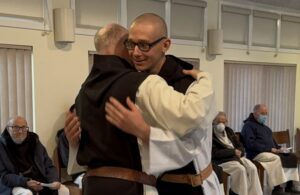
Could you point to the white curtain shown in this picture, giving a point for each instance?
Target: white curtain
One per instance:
(15, 84)
(249, 84)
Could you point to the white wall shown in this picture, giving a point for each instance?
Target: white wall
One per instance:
(59, 71)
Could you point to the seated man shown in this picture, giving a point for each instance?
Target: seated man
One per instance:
(260, 146)
(24, 163)
(228, 153)
(63, 152)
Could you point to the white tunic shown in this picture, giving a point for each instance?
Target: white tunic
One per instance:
(188, 115)
(275, 173)
(243, 176)
(189, 121)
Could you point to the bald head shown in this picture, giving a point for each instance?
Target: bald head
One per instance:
(17, 120)
(149, 29)
(109, 40)
(157, 22)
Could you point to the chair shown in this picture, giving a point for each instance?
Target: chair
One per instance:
(225, 181)
(282, 137)
(260, 172)
(297, 144)
(62, 173)
(56, 162)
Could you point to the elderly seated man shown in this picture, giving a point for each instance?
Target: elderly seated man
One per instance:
(260, 146)
(25, 167)
(228, 153)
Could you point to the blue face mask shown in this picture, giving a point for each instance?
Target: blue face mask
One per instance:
(262, 119)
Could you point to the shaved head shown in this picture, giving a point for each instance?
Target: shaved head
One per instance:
(154, 20)
(151, 29)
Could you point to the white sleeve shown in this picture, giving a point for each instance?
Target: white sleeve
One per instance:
(73, 166)
(165, 108)
(168, 152)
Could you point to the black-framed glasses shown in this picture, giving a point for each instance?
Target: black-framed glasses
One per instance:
(16, 128)
(142, 45)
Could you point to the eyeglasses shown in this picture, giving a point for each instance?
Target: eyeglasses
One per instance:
(142, 45)
(18, 128)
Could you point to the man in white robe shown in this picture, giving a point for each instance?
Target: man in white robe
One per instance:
(260, 146)
(150, 28)
(228, 152)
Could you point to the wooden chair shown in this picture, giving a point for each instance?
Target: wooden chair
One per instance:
(225, 181)
(62, 174)
(282, 137)
(260, 172)
(297, 144)
(56, 162)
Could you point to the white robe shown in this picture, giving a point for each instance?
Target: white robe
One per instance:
(188, 116)
(188, 119)
(244, 177)
(275, 173)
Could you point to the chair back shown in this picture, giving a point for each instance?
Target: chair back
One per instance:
(57, 162)
(239, 137)
(282, 137)
(297, 140)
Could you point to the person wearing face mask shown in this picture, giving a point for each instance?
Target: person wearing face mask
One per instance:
(260, 146)
(25, 164)
(228, 153)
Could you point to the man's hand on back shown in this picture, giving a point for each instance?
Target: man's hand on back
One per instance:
(72, 129)
(128, 120)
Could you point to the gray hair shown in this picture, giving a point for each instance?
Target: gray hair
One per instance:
(107, 35)
(11, 121)
(217, 116)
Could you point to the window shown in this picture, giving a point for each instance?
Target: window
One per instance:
(15, 83)
(191, 11)
(138, 7)
(264, 29)
(249, 84)
(290, 28)
(235, 22)
(92, 14)
(257, 27)
(34, 14)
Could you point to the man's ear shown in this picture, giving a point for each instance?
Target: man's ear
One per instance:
(166, 45)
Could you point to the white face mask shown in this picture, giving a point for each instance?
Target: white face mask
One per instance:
(220, 127)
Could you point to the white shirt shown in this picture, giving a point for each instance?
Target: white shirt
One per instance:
(186, 120)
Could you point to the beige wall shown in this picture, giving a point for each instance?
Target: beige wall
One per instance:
(59, 71)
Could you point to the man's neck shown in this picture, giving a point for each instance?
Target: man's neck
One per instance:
(156, 69)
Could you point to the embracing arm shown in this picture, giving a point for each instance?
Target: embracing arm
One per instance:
(73, 131)
(168, 109)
